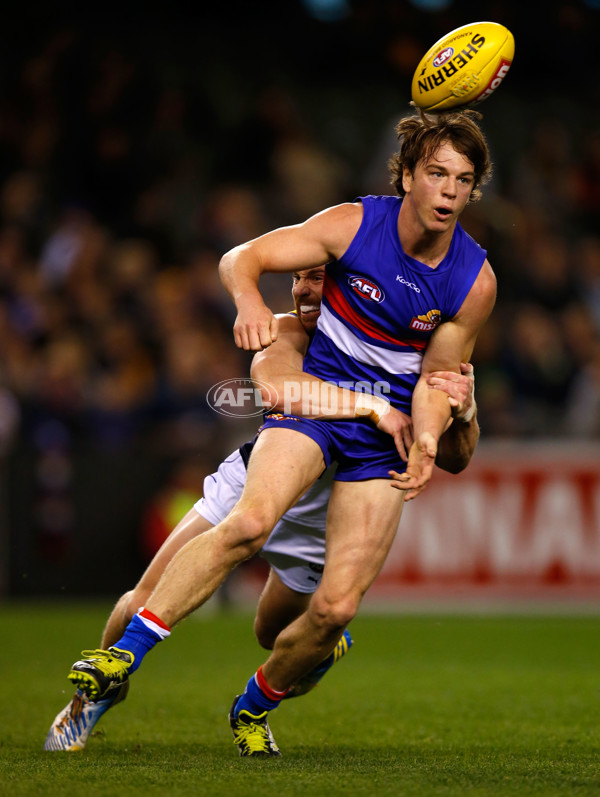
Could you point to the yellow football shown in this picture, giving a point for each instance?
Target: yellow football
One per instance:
(464, 67)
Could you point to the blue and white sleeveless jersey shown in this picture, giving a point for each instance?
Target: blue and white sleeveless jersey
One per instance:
(380, 306)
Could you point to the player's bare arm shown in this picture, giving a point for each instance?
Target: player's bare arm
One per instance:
(458, 387)
(285, 357)
(457, 444)
(451, 344)
(295, 392)
(321, 238)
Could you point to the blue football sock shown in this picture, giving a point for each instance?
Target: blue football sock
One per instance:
(256, 699)
(138, 639)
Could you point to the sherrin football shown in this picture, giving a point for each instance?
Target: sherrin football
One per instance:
(464, 67)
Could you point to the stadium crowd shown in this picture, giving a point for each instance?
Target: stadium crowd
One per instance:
(130, 161)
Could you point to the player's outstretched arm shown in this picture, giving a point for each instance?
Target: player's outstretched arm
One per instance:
(457, 444)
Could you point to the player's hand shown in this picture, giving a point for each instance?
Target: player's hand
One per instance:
(255, 327)
(399, 426)
(459, 388)
(419, 468)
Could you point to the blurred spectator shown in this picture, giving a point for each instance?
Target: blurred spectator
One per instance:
(587, 181)
(583, 405)
(587, 273)
(544, 175)
(540, 369)
(548, 278)
(10, 417)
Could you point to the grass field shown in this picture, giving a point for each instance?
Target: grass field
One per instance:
(422, 705)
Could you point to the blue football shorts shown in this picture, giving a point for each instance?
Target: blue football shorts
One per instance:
(360, 449)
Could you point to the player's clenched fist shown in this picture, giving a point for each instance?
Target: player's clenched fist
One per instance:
(255, 327)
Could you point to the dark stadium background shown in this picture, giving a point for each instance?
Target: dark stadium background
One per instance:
(137, 145)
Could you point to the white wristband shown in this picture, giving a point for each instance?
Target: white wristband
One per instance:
(470, 414)
(371, 407)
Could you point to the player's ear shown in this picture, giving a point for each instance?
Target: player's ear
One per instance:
(407, 179)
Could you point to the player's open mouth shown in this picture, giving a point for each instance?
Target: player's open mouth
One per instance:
(309, 309)
(443, 212)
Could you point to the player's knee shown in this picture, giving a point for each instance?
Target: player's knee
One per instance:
(265, 634)
(132, 601)
(247, 530)
(334, 614)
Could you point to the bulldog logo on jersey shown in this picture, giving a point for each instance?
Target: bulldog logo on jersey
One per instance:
(427, 322)
(366, 288)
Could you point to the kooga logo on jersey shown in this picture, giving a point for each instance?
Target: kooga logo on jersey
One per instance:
(408, 284)
(366, 288)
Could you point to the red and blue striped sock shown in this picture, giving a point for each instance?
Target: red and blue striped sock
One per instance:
(259, 696)
(141, 635)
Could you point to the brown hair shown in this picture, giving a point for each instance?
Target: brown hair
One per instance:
(421, 136)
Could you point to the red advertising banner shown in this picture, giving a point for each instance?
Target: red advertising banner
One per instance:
(520, 519)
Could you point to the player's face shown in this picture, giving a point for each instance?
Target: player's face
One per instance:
(307, 291)
(440, 188)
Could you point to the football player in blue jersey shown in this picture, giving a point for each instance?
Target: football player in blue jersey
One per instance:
(295, 549)
(406, 293)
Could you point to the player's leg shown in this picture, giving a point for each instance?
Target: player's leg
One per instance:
(221, 491)
(286, 595)
(361, 525)
(295, 551)
(72, 726)
(283, 464)
(189, 527)
(277, 607)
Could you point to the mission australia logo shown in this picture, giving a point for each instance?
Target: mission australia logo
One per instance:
(426, 322)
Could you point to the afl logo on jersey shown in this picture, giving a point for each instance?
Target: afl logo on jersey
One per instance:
(366, 289)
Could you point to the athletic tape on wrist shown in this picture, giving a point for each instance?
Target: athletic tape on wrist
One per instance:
(371, 407)
(469, 415)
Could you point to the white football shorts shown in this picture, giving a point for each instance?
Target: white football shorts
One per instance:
(296, 546)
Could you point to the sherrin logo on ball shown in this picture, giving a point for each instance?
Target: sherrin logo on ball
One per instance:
(464, 67)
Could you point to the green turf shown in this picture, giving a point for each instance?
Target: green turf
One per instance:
(421, 706)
